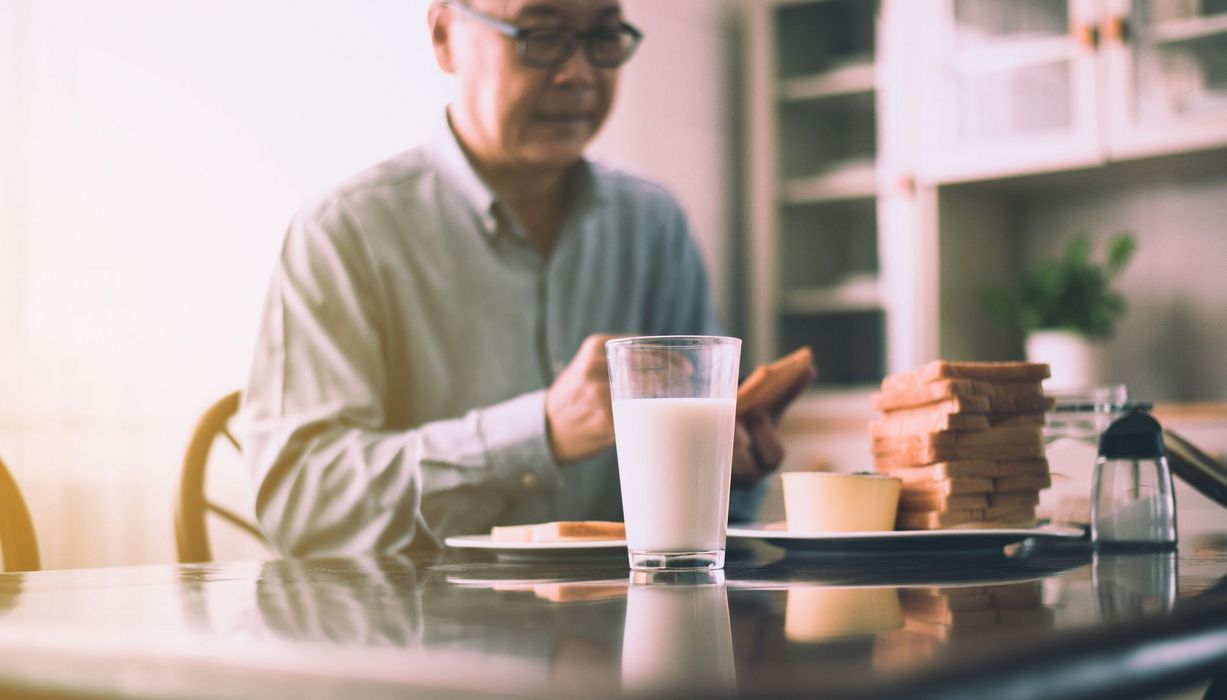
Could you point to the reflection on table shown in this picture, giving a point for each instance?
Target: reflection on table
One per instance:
(475, 625)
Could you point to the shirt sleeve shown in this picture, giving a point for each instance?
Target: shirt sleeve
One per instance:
(332, 477)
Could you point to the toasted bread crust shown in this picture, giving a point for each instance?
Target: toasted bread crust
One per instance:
(974, 518)
(559, 531)
(931, 422)
(954, 404)
(987, 371)
(914, 501)
(977, 468)
(999, 436)
(767, 384)
(961, 485)
(1012, 397)
(886, 459)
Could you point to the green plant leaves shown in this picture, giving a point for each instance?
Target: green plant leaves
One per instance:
(1072, 292)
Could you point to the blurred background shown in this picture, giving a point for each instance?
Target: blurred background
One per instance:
(858, 174)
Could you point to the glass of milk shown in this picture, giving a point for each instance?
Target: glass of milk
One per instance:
(674, 400)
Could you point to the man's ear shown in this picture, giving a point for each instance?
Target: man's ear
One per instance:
(439, 17)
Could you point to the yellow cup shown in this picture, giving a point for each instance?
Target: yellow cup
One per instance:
(822, 612)
(825, 502)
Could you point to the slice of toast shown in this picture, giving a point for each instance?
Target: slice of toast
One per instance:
(1013, 500)
(575, 591)
(938, 603)
(1035, 418)
(559, 531)
(954, 404)
(975, 518)
(981, 468)
(1000, 436)
(1014, 397)
(993, 503)
(986, 371)
(887, 458)
(956, 618)
(1022, 482)
(511, 533)
(927, 423)
(1021, 467)
(566, 531)
(964, 484)
(917, 501)
(1017, 596)
(770, 383)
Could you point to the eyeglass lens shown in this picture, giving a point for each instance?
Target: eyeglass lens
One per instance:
(551, 48)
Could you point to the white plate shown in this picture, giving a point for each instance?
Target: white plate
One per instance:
(900, 540)
(539, 550)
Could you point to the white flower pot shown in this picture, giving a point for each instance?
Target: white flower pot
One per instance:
(1076, 362)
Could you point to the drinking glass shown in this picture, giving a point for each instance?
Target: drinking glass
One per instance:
(674, 402)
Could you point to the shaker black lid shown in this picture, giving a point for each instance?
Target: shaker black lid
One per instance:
(1133, 436)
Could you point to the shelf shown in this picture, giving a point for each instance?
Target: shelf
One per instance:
(860, 293)
(850, 179)
(1193, 28)
(1013, 55)
(846, 80)
(831, 409)
(815, 37)
(849, 346)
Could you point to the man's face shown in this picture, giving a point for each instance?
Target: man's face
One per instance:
(512, 115)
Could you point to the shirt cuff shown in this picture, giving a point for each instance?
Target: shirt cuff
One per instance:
(515, 441)
(745, 501)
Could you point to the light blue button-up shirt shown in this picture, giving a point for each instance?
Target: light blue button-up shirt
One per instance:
(411, 328)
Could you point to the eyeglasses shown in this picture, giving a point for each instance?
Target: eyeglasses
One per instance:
(546, 48)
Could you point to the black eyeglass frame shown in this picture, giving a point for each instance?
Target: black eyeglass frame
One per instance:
(521, 37)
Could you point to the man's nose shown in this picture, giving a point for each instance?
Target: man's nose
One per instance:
(577, 70)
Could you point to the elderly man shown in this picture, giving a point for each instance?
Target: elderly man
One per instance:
(430, 361)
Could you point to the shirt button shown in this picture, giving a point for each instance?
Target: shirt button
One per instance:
(528, 480)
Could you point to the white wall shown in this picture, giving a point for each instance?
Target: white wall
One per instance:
(168, 144)
(671, 123)
(12, 159)
(1169, 346)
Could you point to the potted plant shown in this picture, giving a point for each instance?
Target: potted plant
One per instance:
(1067, 306)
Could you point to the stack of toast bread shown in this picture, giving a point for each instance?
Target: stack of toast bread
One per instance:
(935, 617)
(966, 439)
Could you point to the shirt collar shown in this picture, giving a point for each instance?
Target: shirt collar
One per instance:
(450, 158)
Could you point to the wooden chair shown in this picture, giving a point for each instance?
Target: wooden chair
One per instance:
(16, 529)
(193, 506)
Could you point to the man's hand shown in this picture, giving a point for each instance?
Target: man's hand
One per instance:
(757, 451)
(578, 407)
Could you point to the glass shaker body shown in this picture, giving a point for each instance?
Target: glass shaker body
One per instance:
(1133, 505)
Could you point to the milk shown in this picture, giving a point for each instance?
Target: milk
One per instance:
(675, 459)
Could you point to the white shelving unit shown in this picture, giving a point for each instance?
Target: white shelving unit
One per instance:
(1018, 87)
(904, 154)
(815, 273)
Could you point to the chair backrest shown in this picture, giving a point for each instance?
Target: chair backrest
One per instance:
(16, 529)
(193, 506)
